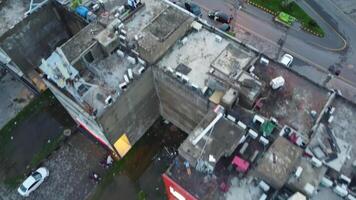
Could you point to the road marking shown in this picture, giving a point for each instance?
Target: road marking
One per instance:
(339, 35)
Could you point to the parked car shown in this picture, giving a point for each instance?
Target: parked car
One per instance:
(286, 60)
(220, 16)
(224, 27)
(33, 181)
(193, 8)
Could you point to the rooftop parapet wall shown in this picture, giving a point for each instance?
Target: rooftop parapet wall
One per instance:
(37, 36)
(162, 33)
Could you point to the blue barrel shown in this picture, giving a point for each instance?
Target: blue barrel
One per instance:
(82, 11)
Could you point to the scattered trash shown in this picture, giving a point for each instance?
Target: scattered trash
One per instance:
(67, 132)
(313, 113)
(95, 177)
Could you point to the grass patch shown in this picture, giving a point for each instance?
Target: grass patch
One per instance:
(233, 34)
(36, 105)
(141, 195)
(14, 182)
(46, 150)
(294, 10)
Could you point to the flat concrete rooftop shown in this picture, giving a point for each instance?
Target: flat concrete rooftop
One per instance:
(80, 42)
(166, 23)
(278, 162)
(11, 13)
(197, 53)
(105, 76)
(232, 60)
(220, 141)
(144, 16)
(310, 175)
(203, 50)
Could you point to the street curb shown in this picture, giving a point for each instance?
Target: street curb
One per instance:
(304, 28)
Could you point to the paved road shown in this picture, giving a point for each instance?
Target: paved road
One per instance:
(347, 27)
(294, 43)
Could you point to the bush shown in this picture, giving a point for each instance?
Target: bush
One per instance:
(312, 23)
(141, 195)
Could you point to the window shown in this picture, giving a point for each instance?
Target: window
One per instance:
(33, 185)
(22, 188)
(37, 176)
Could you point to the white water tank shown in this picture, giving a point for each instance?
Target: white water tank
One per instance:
(350, 197)
(316, 162)
(263, 197)
(129, 72)
(243, 148)
(341, 191)
(141, 70)
(242, 125)
(253, 134)
(298, 172)
(123, 85)
(264, 61)
(326, 182)
(231, 118)
(126, 78)
(264, 141)
(258, 119)
(345, 178)
(264, 186)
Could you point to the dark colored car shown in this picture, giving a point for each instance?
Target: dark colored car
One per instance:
(193, 8)
(220, 17)
(224, 27)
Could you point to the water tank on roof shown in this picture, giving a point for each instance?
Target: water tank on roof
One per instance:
(82, 11)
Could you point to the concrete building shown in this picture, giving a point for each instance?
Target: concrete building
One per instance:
(278, 163)
(116, 71)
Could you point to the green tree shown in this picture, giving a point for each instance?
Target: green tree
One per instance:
(287, 3)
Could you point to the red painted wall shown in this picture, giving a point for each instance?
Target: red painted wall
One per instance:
(175, 191)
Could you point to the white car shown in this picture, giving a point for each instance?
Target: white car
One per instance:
(286, 60)
(33, 181)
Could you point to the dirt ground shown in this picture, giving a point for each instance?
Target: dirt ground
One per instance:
(293, 103)
(13, 96)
